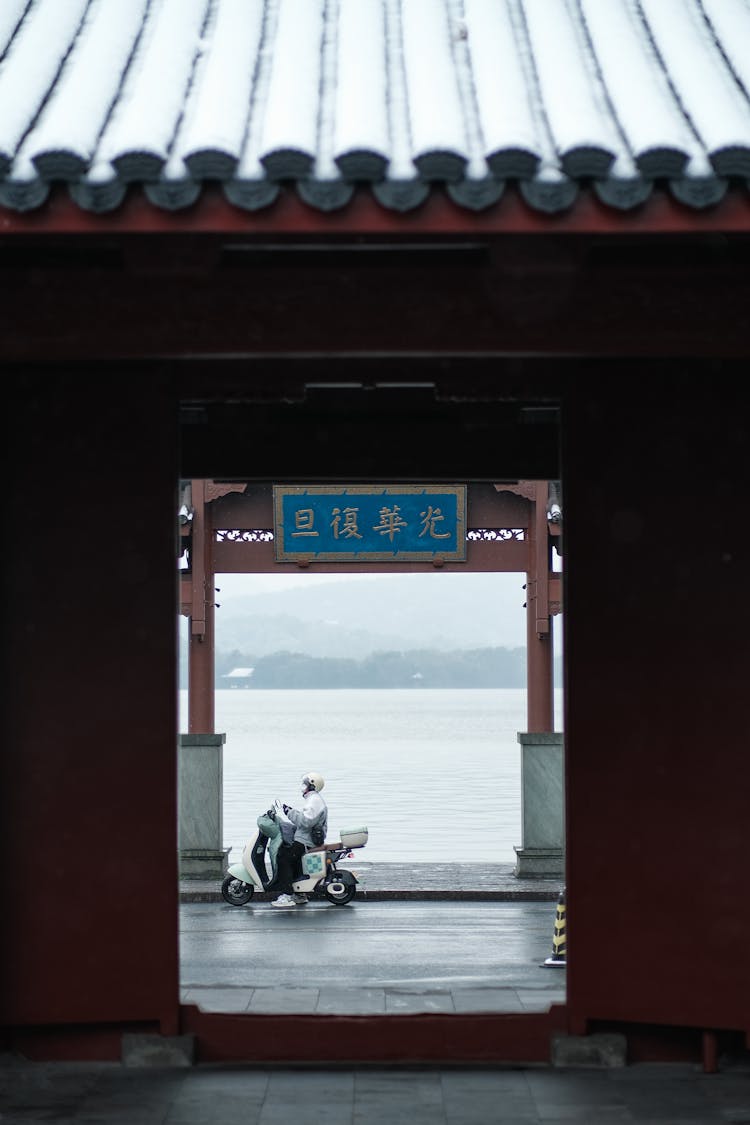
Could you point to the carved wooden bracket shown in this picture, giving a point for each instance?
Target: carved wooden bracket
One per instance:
(215, 491)
(523, 488)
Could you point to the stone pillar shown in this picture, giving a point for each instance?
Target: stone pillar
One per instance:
(542, 853)
(201, 820)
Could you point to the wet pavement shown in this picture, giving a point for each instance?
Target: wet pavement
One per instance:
(370, 957)
(416, 938)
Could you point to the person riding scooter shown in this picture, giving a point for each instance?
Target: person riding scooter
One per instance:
(310, 826)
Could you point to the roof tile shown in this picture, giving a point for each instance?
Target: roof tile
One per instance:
(558, 96)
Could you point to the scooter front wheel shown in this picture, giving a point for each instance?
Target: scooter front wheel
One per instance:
(339, 893)
(235, 891)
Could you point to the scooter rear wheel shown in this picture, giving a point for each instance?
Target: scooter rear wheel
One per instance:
(235, 892)
(339, 892)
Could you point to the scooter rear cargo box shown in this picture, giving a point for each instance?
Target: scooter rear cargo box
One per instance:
(354, 838)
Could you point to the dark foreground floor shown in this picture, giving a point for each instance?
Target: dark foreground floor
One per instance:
(658, 1094)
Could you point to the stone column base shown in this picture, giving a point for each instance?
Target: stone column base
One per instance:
(539, 863)
(200, 863)
(540, 855)
(157, 1050)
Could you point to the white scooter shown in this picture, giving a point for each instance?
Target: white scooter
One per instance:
(320, 874)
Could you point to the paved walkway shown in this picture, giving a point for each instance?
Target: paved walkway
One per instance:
(381, 881)
(403, 957)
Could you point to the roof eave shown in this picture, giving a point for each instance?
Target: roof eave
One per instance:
(438, 215)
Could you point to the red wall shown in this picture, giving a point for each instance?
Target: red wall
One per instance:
(655, 542)
(656, 549)
(88, 782)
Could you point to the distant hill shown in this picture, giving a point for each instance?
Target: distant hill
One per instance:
(353, 617)
(407, 629)
(467, 668)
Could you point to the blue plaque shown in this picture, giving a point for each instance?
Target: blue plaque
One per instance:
(370, 523)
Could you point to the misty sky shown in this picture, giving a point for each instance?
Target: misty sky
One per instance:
(232, 585)
(240, 584)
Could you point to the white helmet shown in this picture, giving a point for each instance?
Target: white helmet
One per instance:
(312, 780)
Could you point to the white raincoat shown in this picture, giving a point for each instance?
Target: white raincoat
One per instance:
(314, 811)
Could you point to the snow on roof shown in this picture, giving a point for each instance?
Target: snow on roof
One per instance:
(556, 96)
(239, 674)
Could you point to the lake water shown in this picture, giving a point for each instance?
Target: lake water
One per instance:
(423, 770)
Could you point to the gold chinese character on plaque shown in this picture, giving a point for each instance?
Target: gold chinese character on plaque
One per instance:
(304, 518)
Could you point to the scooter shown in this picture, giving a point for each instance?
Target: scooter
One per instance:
(320, 874)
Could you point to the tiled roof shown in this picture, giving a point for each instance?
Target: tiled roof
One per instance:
(559, 97)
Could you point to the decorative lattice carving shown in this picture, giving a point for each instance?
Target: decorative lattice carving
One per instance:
(496, 534)
(249, 535)
(265, 535)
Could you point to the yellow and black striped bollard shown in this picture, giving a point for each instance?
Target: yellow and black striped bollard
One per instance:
(559, 941)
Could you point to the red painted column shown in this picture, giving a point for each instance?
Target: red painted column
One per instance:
(539, 673)
(201, 717)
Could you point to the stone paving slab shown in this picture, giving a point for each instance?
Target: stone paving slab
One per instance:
(372, 1001)
(424, 881)
(231, 1094)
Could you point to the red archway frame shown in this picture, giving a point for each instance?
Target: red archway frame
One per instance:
(229, 533)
